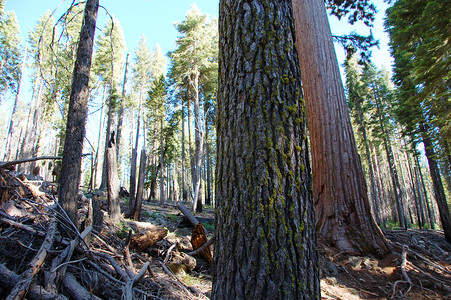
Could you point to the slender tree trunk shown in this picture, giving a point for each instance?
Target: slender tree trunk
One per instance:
(265, 246)
(10, 132)
(31, 131)
(121, 110)
(380, 185)
(77, 115)
(140, 189)
(429, 208)
(362, 129)
(99, 139)
(199, 141)
(343, 212)
(392, 165)
(184, 193)
(131, 203)
(191, 154)
(109, 125)
(439, 192)
(114, 207)
(161, 164)
(414, 187)
(208, 200)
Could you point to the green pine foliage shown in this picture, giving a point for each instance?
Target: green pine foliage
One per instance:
(10, 54)
(420, 44)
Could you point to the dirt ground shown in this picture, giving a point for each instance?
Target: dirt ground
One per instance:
(353, 277)
(107, 265)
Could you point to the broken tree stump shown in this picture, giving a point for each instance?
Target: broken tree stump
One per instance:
(198, 239)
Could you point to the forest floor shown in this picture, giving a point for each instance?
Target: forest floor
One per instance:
(154, 259)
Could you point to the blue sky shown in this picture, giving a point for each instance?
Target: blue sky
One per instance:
(155, 19)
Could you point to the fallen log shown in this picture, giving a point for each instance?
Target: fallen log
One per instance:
(9, 164)
(188, 214)
(147, 235)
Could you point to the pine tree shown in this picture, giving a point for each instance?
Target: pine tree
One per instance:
(356, 97)
(264, 224)
(10, 55)
(418, 41)
(77, 115)
(194, 53)
(108, 66)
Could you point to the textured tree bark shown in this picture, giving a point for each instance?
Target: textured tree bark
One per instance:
(77, 115)
(114, 206)
(265, 244)
(342, 209)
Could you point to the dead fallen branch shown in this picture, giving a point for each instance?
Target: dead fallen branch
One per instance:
(8, 280)
(187, 214)
(20, 289)
(21, 161)
(203, 247)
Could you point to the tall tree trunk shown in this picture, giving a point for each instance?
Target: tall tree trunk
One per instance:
(31, 132)
(99, 139)
(199, 144)
(109, 125)
(265, 246)
(114, 207)
(77, 115)
(207, 158)
(343, 212)
(362, 128)
(140, 189)
(184, 192)
(161, 163)
(190, 153)
(391, 165)
(10, 132)
(439, 192)
(380, 186)
(414, 187)
(131, 203)
(424, 192)
(121, 110)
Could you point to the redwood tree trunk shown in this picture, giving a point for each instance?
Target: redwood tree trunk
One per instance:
(265, 245)
(341, 201)
(77, 115)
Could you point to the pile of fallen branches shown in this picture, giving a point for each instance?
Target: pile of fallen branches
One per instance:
(45, 256)
(425, 261)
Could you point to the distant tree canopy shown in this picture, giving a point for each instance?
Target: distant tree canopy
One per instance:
(420, 45)
(10, 54)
